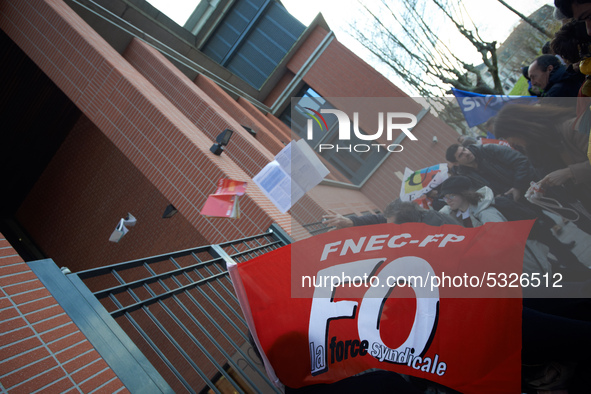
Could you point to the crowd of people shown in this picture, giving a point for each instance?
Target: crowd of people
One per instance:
(548, 154)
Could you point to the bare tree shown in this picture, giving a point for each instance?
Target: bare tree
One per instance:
(405, 35)
(401, 36)
(532, 22)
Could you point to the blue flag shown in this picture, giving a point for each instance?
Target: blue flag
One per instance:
(478, 108)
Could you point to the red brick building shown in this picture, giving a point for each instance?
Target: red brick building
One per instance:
(109, 107)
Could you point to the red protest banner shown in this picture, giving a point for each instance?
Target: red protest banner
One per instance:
(338, 304)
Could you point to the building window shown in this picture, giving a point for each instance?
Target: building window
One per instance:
(356, 166)
(253, 38)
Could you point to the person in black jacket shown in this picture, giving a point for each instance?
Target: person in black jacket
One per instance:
(547, 73)
(504, 170)
(409, 212)
(339, 221)
(577, 9)
(509, 173)
(397, 212)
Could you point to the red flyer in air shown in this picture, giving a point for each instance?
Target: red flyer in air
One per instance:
(224, 202)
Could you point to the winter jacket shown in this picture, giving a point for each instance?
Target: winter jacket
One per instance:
(563, 82)
(427, 216)
(368, 219)
(574, 153)
(500, 168)
(571, 152)
(535, 258)
(434, 218)
(483, 212)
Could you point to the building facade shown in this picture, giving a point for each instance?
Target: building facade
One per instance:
(111, 108)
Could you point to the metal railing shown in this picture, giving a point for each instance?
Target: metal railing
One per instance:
(181, 311)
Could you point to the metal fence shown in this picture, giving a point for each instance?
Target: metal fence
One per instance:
(180, 310)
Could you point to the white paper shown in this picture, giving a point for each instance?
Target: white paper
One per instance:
(306, 168)
(284, 158)
(276, 184)
(295, 170)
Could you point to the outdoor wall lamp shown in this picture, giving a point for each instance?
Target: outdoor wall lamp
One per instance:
(221, 141)
(169, 212)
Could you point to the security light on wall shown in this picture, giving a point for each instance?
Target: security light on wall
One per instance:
(221, 140)
(169, 212)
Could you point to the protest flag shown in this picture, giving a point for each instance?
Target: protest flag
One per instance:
(321, 310)
(417, 183)
(478, 108)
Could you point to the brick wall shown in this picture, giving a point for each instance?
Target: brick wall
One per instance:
(340, 74)
(343, 201)
(280, 131)
(84, 192)
(41, 349)
(200, 107)
(279, 88)
(268, 137)
(305, 51)
(150, 131)
(249, 153)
